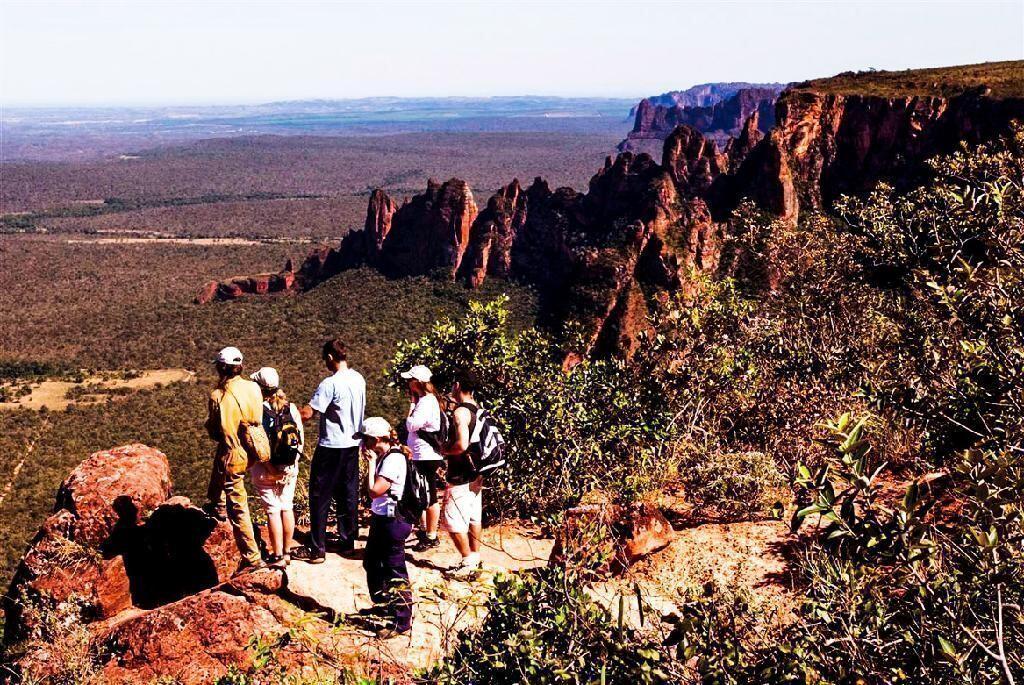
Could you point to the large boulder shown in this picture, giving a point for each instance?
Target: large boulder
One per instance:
(195, 639)
(136, 476)
(69, 572)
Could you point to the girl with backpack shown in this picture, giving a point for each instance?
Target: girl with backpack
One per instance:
(425, 440)
(387, 576)
(275, 480)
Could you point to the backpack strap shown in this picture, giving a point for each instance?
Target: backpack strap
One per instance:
(376, 472)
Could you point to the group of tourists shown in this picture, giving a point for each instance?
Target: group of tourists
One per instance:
(260, 432)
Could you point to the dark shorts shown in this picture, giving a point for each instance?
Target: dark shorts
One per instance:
(430, 469)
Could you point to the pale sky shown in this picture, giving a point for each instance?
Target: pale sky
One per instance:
(188, 52)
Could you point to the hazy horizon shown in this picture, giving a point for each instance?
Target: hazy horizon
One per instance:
(118, 54)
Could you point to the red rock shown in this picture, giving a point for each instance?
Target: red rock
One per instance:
(430, 233)
(137, 476)
(70, 570)
(493, 234)
(207, 293)
(604, 537)
(194, 640)
(722, 119)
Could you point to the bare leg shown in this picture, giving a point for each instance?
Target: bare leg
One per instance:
(475, 531)
(461, 541)
(432, 516)
(288, 521)
(276, 532)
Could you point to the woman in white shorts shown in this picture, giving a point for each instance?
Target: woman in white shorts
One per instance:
(275, 485)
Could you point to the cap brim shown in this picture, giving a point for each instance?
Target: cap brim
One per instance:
(407, 375)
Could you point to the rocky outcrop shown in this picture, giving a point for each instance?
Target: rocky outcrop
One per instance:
(606, 259)
(826, 145)
(704, 94)
(260, 284)
(720, 120)
(134, 586)
(489, 252)
(66, 572)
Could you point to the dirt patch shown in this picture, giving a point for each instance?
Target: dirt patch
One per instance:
(337, 588)
(55, 395)
(750, 557)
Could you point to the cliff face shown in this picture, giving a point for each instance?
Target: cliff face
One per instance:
(827, 145)
(721, 119)
(604, 258)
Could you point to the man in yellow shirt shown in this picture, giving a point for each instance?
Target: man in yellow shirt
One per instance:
(235, 401)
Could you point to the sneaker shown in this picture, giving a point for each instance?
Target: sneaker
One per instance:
(465, 570)
(307, 555)
(426, 543)
(245, 566)
(388, 633)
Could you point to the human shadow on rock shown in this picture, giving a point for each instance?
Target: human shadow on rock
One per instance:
(164, 557)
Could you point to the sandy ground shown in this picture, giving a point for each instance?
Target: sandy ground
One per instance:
(54, 394)
(749, 558)
(337, 588)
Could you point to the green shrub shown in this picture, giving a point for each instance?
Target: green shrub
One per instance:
(601, 425)
(544, 628)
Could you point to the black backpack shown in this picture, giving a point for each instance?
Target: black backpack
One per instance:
(416, 493)
(284, 434)
(443, 436)
(486, 444)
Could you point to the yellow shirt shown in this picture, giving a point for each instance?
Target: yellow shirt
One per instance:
(237, 401)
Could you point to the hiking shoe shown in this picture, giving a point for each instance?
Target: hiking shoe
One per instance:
(375, 610)
(245, 566)
(388, 633)
(307, 555)
(215, 511)
(426, 543)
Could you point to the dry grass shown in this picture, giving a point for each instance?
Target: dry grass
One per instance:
(1006, 79)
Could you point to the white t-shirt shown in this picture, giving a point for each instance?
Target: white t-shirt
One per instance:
(341, 400)
(393, 467)
(425, 416)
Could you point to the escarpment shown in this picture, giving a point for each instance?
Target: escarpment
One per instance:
(604, 259)
(720, 119)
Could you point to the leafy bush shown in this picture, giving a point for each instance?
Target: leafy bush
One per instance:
(599, 425)
(544, 628)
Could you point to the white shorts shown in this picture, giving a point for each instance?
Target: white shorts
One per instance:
(276, 489)
(462, 507)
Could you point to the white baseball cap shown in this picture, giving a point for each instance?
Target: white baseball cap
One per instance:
(267, 377)
(418, 372)
(229, 355)
(374, 427)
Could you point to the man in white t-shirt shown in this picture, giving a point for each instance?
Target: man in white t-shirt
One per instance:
(340, 400)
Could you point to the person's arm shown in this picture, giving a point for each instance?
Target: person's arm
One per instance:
(380, 486)
(381, 483)
(319, 402)
(425, 412)
(230, 419)
(461, 442)
(213, 419)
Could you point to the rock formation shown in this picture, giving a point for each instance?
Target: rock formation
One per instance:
(139, 584)
(720, 120)
(606, 258)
